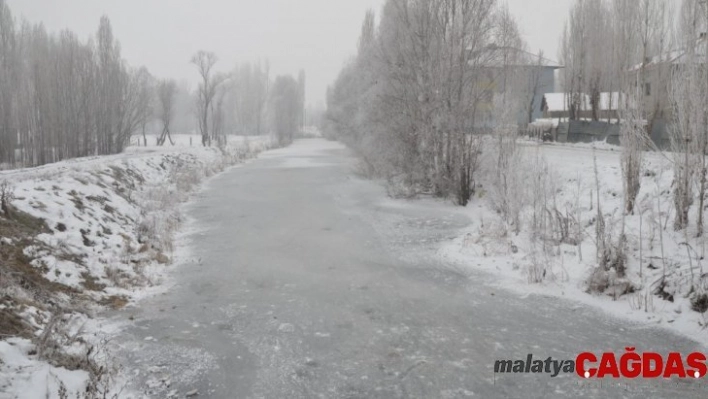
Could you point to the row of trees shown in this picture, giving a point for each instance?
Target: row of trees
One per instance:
(63, 98)
(620, 46)
(657, 59)
(430, 74)
(608, 45)
(424, 80)
(654, 53)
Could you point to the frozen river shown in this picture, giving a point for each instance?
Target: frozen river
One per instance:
(308, 282)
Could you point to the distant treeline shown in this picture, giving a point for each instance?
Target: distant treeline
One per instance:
(61, 97)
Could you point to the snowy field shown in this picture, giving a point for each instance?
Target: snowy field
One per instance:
(109, 239)
(662, 265)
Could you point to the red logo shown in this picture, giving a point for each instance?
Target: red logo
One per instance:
(645, 365)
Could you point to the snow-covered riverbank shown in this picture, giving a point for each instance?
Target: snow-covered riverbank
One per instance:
(663, 266)
(91, 233)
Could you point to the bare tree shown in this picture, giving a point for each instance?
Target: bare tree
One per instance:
(573, 54)
(207, 91)
(701, 98)
(166, 92)
(624, 56)
(144, 85)
(689, 93)
(586, 53)
(509, 104)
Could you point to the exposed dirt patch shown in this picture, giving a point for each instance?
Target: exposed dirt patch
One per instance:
(115, 302)
(12, 324)
(15, 267)
(109, 209)
(97, 198)
(91, 283)
(77, 200)
(127, 180)
(162, 258)
(71, 257)
(16, 272)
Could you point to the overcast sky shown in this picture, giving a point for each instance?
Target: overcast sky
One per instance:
(315, 35)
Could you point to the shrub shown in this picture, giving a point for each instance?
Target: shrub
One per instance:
(699, 303)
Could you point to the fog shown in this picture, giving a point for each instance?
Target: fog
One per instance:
(353, 198)
(315, 35)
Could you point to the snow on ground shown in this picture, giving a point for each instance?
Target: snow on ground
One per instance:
(24, 375)
(31, 378)
(111, 224)
(654, 248)
(110, 217)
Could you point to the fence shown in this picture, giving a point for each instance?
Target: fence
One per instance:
(590, 131)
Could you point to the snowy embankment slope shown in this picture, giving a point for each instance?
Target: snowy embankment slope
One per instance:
(105, 239)
(663, 265)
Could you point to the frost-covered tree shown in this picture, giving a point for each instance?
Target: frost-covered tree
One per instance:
(619, 46)
(586, 54)
(415, 98)
(640, 35)
(689, 96)
(144, 84)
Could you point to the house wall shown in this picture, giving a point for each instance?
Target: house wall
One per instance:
(658, 99)
(547, 84)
